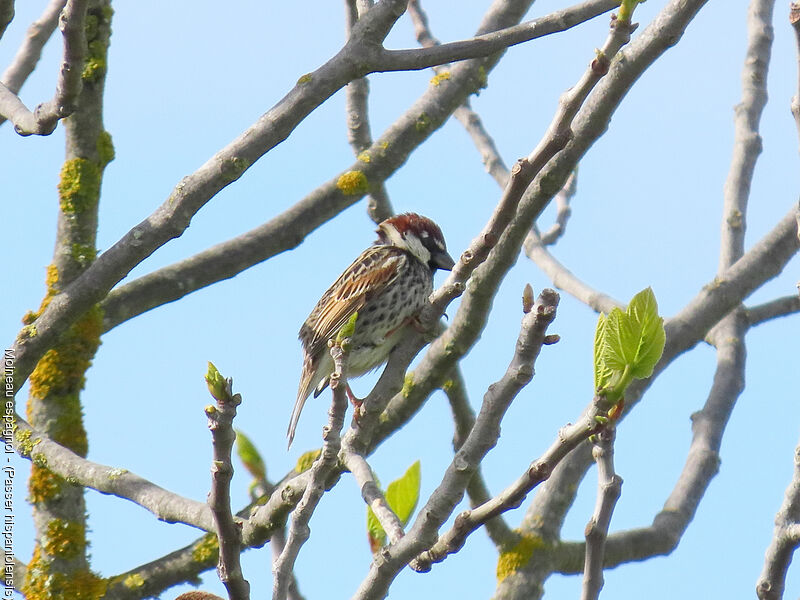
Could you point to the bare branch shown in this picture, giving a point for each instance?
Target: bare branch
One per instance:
(165, 505)
(372, 495)
(481, 439)
(563, 212)
(229, 532)
(464, 419)
(491, 43)
(564, 279)
(323, 467)
(784, 542)
(172, 218)
(747, 141)
(774, 309)
(379, 207)
(794, 19)
(31, 49)
(609, 487)
(45, 117)
(702, 463)
(6, 15)
(288, 230)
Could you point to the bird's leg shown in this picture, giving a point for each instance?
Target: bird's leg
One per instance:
(358, 404)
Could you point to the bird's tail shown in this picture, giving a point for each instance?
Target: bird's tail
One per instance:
(303, 392)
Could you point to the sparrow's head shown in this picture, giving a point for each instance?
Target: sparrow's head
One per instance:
(418, 235)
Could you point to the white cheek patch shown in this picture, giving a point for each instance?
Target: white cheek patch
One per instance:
(414, 245)
(411, 243)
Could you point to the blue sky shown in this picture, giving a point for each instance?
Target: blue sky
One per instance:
(186, 78)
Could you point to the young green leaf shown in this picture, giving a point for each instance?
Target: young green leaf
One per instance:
(250, 457)
(375, 532)
(602, 373)
(402, 494)
(643, 314)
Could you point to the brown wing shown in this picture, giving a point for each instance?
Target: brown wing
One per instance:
(376, 268)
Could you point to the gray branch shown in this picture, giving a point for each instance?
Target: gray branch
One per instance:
(794, 19)
(481, 439)
(229, 532)
(290, 228)
(609, 488)
(359, 134)
(29, 53)
(44, 118)
(785, 540)
(323, 467)
(6, 15)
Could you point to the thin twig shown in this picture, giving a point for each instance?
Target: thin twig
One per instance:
(609, 487)
(464, 419)
(564, 279)
(372, 495)
(784, 542)
(30, 51)
(323, 467)
(44, 118)
(229, 531)
(563, 211)
(359, 134)
(481, 439)
(6, 15)
(290, 228)
(794, 19)
(774, 309)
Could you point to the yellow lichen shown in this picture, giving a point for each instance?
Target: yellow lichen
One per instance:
(133, 581)
(105, 148)
(352, 183)
(408, 384)
(364, 156)
(423, 123)
(79, 185)
(65, 539)
(304, 79)
(206, 551)
(517, 555)
(440, 77)
(41, 584)
(43, 484)
(24, 444)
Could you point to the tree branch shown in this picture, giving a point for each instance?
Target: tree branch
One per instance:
(784, 542)
(609, 488)
(45, 117)
(794, 19)
(30, 51)
(780, 307)
(321, 470)
(493, 42)
(481, 439)
(229, 531)
(288, 230)
(379, 207)
(464, 419)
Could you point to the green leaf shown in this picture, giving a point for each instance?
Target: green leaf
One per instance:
(402, 494)
(250, 457)
(628, 344)
(216, 383)
(643, 313)
(602, 373)
(375, 532)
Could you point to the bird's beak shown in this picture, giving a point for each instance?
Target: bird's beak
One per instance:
(442, 260)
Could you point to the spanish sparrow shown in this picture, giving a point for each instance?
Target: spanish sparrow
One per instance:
(388, 285)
